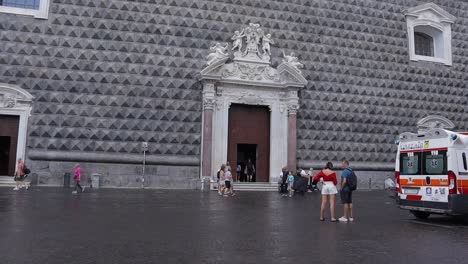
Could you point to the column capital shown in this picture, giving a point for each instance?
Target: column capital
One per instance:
(209, 95)
(292, 109)
(208, 103)
(209, 86)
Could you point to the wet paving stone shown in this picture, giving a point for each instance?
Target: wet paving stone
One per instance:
(50, 225)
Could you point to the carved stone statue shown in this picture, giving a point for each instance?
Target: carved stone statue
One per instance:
(238, 40)
(252, 41)
(292, 61)
(219, 52)
(266, 41)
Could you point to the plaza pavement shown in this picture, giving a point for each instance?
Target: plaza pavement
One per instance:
(50, 225)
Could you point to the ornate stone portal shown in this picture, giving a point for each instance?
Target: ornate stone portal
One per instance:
(250, 79)
(16, 101)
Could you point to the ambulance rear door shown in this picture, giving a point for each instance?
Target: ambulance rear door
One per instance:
(434, 165)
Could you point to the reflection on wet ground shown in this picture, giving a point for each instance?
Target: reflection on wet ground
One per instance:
(50, 225)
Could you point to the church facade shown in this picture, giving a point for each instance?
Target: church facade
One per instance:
(184, 86)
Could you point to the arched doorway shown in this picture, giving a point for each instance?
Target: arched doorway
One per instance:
(15, 108)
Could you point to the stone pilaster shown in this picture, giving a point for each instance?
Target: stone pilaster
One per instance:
(292, 136)
(208, 107)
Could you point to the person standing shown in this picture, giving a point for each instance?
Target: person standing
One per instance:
(228, 183)
(19, 176)
(310, 173)
(77, 179)
(238, 169)
(290, 184)
(221, 182)
(250, 168)
(346, 193)
(328, 190)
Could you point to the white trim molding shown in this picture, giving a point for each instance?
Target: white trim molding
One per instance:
(41, 13)
(432, 20)
(18, 102)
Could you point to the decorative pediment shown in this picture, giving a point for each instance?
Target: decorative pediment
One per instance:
(430, 12)
(12, 96)
(435, 121)
(247, 61)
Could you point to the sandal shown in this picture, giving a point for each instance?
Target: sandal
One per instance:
(322, 219)
(334, 220)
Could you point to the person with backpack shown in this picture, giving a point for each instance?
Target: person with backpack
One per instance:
(21, 173)
(348, 185)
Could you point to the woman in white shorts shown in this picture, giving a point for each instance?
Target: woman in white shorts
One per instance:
(328, 190)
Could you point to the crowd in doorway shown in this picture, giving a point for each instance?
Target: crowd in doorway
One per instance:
(246, 171)
(301, 182)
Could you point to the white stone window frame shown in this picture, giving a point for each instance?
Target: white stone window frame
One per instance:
(41, 13)
(433, 16)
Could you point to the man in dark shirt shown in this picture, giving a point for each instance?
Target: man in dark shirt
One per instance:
(346, 193)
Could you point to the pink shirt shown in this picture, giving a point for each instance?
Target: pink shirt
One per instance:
(77, 176)
(20, 171)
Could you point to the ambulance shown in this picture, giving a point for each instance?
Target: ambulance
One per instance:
(431, 173)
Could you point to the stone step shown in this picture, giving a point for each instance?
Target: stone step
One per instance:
(6, 181)
(252, 186)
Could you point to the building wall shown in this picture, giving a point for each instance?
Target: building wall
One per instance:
(107, 75)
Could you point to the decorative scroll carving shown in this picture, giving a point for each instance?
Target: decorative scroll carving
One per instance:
(251, 72)
(10, 102)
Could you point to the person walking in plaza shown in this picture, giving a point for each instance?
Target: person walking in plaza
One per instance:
(328, 190)
(221, 181)
(346, 193)
(20, 175)
(250, 169)
(77, 179)
(228, 182)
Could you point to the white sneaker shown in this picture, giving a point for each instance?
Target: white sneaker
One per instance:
(15, 189)
(351, 219)
(74, 192)
(343, 219)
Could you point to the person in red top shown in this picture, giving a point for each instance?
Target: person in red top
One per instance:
(328, 190)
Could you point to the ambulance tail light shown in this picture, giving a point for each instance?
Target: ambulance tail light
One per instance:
(452, 182)
(397, 179)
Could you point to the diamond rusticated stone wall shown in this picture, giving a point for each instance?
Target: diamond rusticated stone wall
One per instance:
(107, 75)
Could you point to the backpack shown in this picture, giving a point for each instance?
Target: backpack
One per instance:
(26, 170)
(352, 181)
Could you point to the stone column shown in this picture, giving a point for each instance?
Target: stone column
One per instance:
(292, 137)
(208, 107)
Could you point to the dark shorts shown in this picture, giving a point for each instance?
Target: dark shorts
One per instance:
(19, 178)
(346, 197)
(228, 184)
